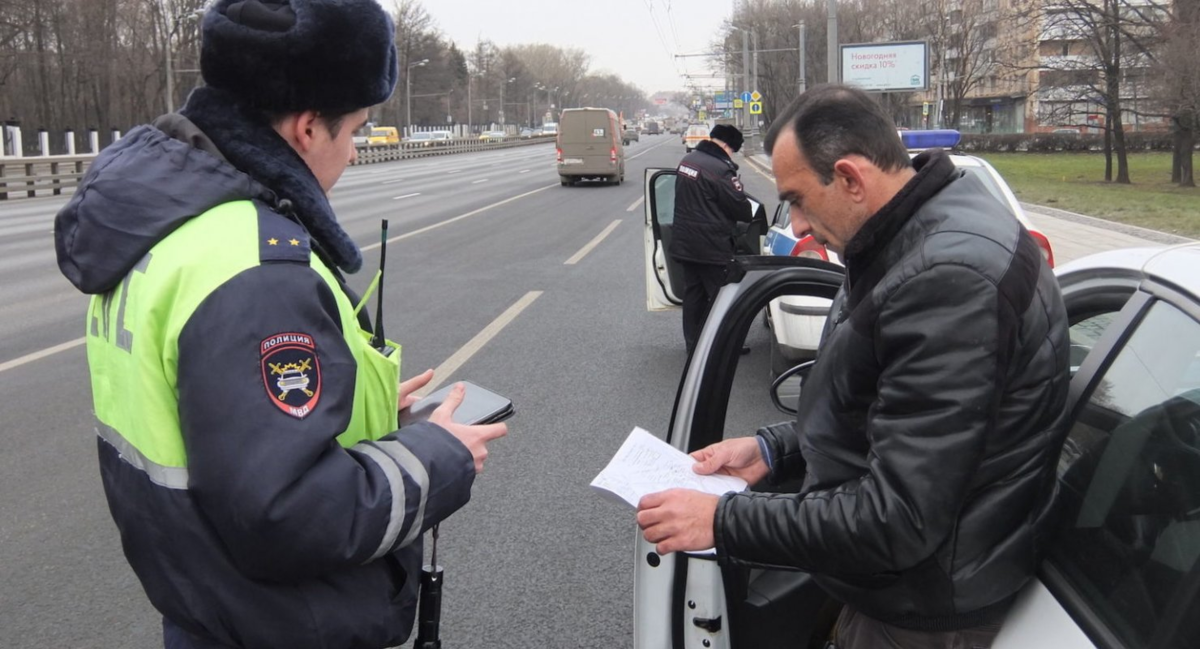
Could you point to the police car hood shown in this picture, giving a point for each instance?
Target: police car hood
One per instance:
(137, 192)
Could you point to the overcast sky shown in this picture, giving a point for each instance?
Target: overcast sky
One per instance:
(619, 35)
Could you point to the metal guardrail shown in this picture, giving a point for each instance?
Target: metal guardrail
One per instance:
(45, 174)
(405, 150)
(50, 175)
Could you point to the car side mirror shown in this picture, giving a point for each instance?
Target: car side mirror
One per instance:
(786, 387)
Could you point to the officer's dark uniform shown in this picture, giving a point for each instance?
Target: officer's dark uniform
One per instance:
(709, 202)
(247, 429)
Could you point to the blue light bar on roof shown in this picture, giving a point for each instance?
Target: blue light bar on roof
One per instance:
(943, 138)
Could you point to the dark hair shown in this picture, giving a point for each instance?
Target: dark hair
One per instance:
(334, 120)
(833, 121)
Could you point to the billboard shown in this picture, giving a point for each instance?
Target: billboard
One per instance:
(886, 67)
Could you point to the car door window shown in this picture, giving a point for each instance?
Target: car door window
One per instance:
(782, 215)
(1130, 524)
(1085, 334)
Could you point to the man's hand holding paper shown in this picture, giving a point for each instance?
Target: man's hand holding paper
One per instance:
(676, 494)
(681, 520)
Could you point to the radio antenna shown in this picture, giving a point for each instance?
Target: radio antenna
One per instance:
(377, 339)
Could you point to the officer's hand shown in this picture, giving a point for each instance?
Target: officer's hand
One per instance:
(739, 457)
(475, 438)
(407, 388)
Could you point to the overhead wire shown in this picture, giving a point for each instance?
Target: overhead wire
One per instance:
(658, 31)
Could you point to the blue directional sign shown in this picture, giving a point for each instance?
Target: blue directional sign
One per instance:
(746, 96)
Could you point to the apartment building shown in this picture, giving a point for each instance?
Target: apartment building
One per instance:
(1024, 66)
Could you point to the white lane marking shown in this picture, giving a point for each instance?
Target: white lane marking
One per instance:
(524, 171)
(406, 196)
(458, 358)
(460, 217)
(392, 182)
(481, 180)
(649, 150)
(592, 244)
(49, 351)
(635, 204)
(454, 171)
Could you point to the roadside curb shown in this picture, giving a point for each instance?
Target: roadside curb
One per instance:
(761, 166)
(1123, 228)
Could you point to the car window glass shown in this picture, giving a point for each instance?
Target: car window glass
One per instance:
(664, 199)
(1084, 335)
(783, 215)
(1130, 472)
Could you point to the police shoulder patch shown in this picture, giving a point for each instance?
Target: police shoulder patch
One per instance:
(737, 184)
(291, 372)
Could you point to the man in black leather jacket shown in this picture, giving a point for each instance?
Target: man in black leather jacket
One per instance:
(930, 426)
(709, 202)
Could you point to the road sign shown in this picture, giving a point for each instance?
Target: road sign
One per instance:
(745, 96)
(755, 96)
(756, 108)
(739, 103)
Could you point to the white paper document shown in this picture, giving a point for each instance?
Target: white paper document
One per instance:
(645, 464)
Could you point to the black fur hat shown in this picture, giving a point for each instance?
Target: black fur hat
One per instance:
(284, 56)
(729, 135)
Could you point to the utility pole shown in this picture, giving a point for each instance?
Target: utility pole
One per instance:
(746, 77)
(832, 50)
(803, 63)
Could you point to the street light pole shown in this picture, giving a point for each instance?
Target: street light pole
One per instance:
(170, 66)
(502, 87)
(803, 63)
(831, 51)
(408, 94)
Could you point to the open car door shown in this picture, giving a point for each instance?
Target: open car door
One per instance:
(664, 277)
(688, 600)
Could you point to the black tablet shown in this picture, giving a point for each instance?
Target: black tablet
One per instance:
(479, 406)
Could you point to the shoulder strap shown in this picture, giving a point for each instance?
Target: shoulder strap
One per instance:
(280, 238)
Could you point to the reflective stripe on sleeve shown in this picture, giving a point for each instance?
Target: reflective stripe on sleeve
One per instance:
(396, 483)
(416, 471)
(170, 477)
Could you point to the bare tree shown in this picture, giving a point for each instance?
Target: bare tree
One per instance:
(1179, 86)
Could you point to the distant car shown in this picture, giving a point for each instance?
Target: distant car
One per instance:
(383, 136)
(651, 128)
(695, 134)
(493, 136)
(630, 135)
(420, 139)
(796, 322)
(1069, 132)
(550, 128)
(527, 133)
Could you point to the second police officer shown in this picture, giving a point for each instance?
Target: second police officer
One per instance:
(709, 203)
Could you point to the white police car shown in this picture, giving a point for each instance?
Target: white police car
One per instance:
(1123, 570)
(797, 322)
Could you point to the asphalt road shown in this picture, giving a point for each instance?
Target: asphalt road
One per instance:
(536, 559)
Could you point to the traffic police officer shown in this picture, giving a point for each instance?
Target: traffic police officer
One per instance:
(247, 426)
(709, 202)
